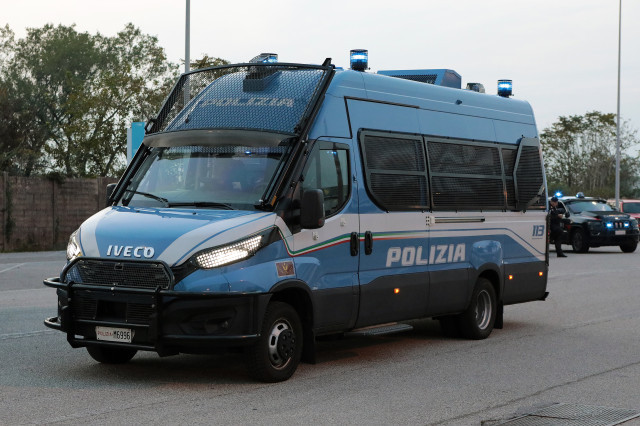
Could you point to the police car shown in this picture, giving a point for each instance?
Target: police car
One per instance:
(591, 222)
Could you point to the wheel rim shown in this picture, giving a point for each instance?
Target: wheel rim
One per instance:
(577, 241)
(282, 344)
(483, 309)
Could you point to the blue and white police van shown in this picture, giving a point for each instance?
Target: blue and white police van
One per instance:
(272, 203)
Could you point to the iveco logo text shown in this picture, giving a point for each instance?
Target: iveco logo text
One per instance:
(130, 251)
(441, 253)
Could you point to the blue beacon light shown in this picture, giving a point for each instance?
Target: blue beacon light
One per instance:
(505, 88)
(270, 58)
(359, 59)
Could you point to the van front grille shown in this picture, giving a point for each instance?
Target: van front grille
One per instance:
(119, 274)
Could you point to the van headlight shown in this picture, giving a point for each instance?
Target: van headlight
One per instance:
(73, 247)
(234, 252)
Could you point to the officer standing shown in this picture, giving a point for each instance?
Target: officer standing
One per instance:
(555, 224)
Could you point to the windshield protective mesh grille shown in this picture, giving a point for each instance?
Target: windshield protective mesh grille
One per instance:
(268, 97)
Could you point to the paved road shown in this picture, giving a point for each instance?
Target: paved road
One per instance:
(581, 346)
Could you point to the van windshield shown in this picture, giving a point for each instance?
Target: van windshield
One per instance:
(219, 177)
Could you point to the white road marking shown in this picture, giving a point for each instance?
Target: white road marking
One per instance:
(12, 267)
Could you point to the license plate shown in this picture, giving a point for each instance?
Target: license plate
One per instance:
(621, 232)
(112, 334)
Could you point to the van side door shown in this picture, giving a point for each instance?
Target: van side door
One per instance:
(326, 258)
(394, 202)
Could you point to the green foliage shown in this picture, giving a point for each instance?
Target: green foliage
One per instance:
(67, 98)
(580, 155)
(207, 61)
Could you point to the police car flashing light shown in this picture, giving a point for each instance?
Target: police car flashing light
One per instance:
(270, 58)
(505, 88)
(359, 59)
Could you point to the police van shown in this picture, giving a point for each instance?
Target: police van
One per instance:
(272, 203)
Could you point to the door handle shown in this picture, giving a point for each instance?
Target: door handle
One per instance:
(368, 242)
(354, 243)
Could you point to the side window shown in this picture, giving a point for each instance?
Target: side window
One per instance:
(528, 174)
(509, 156)
(395, 170)
(465, 176)
(328, 169)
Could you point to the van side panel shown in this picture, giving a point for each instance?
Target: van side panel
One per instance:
(456, 126)
(456, 247)
(376, 115)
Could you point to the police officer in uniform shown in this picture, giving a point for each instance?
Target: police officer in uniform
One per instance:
(555, 224)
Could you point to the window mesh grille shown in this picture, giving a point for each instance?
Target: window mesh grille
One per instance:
(396, 172)
(395, 154)
(398, 192)
(464, 159)
(509, 159)
(463, 193)
(511, 194)
(529, 178)
(460, 175)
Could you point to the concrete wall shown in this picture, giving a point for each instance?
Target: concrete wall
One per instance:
(39, 214)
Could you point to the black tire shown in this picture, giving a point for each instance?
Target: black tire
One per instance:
(579, 241)
(478, 320)
(109, 355)
(276, 355)
(629, 247)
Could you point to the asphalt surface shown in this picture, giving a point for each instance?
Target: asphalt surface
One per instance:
(581, 346)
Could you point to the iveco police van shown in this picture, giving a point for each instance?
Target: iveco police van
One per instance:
(272, 203)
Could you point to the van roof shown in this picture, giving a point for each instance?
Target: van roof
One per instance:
(391, 89)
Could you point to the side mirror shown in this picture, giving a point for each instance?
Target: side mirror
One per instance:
(110, 188)
(567, 214)
(312, 209)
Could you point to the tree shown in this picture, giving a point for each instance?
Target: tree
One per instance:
(207, 61)
(82, 92)
(580, 154)
(21, 141)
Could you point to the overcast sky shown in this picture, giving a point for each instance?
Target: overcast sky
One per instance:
(562, 55)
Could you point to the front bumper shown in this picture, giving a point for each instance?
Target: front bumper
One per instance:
(163, 321)
(609, 238)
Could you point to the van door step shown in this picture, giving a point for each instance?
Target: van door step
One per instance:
(381, 329)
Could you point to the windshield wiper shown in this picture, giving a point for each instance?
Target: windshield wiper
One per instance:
(148, 195)
(202, 204)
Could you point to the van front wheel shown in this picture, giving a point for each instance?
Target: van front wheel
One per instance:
(276, 355)
(478, 320)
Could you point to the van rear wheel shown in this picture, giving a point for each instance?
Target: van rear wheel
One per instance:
(478, 320)
(276, 355)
